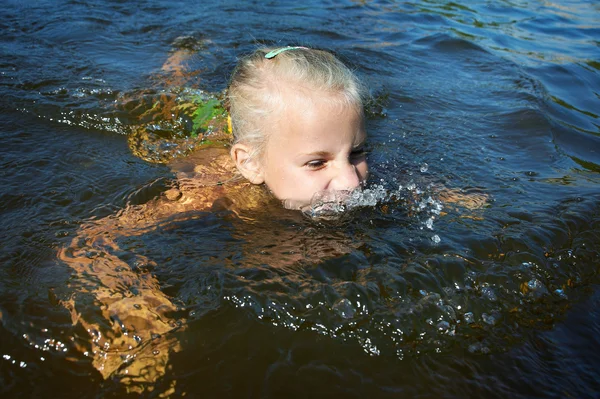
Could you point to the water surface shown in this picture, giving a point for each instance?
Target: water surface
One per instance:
(497, 99)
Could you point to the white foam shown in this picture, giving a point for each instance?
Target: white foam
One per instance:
(333, 204)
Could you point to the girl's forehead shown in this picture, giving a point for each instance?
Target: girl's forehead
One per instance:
(315, 120)
(306, 93)
(318, 101)
(304, 111)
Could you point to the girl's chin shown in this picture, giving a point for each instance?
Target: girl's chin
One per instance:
(294, 204)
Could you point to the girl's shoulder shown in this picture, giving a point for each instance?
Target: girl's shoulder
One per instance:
(208, 179)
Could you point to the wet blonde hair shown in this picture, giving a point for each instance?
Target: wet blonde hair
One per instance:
(254, 96)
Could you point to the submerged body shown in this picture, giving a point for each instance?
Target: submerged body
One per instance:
(130, 335)
(311, 145)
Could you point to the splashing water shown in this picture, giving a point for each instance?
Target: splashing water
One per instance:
(333, 205)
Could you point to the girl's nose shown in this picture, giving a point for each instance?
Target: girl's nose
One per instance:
(346, 179)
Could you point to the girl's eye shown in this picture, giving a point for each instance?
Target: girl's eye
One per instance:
(358, 153)
(316, 164)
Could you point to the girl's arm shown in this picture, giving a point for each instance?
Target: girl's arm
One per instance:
(128, 321)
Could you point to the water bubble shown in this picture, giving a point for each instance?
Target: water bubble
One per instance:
(536, 286)
(332, 204)
(560, 293)
(370, 348)
(429, 224)
(478, 348)
(424, 167)
(469, 318)
(489, 293)
(344, 308)
(489, 319)
(443, 325)
(436, 239)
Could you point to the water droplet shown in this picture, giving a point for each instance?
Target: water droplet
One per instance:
(560, 293)
(537, 287)
(478, 348)
(370, 348)
(534, 284)
(489, 319)
(469, 318)
(489, 293)
(443, 325)
(429, 224)
(424, 168)
(436, 239)
(344, 308)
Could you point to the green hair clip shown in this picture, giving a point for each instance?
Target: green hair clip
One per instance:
(274, 53)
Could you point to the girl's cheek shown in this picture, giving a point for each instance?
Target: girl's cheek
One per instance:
(363, 171)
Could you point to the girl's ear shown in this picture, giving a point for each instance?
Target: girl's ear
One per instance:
(248, 166)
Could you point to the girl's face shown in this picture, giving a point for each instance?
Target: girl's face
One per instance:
(316, 144)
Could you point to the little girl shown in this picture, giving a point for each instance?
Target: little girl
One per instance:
(298, 129)
(298, 123)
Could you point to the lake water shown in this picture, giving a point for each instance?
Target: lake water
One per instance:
(497, 99)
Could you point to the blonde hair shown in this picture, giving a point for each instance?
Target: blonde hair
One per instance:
(253, 94)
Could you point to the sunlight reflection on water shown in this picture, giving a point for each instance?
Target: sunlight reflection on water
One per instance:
(491, 101)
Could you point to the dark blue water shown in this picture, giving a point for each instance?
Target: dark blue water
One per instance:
(497, 99)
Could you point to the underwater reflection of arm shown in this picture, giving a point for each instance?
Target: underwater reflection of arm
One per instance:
(119, 303)
(116, 297)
